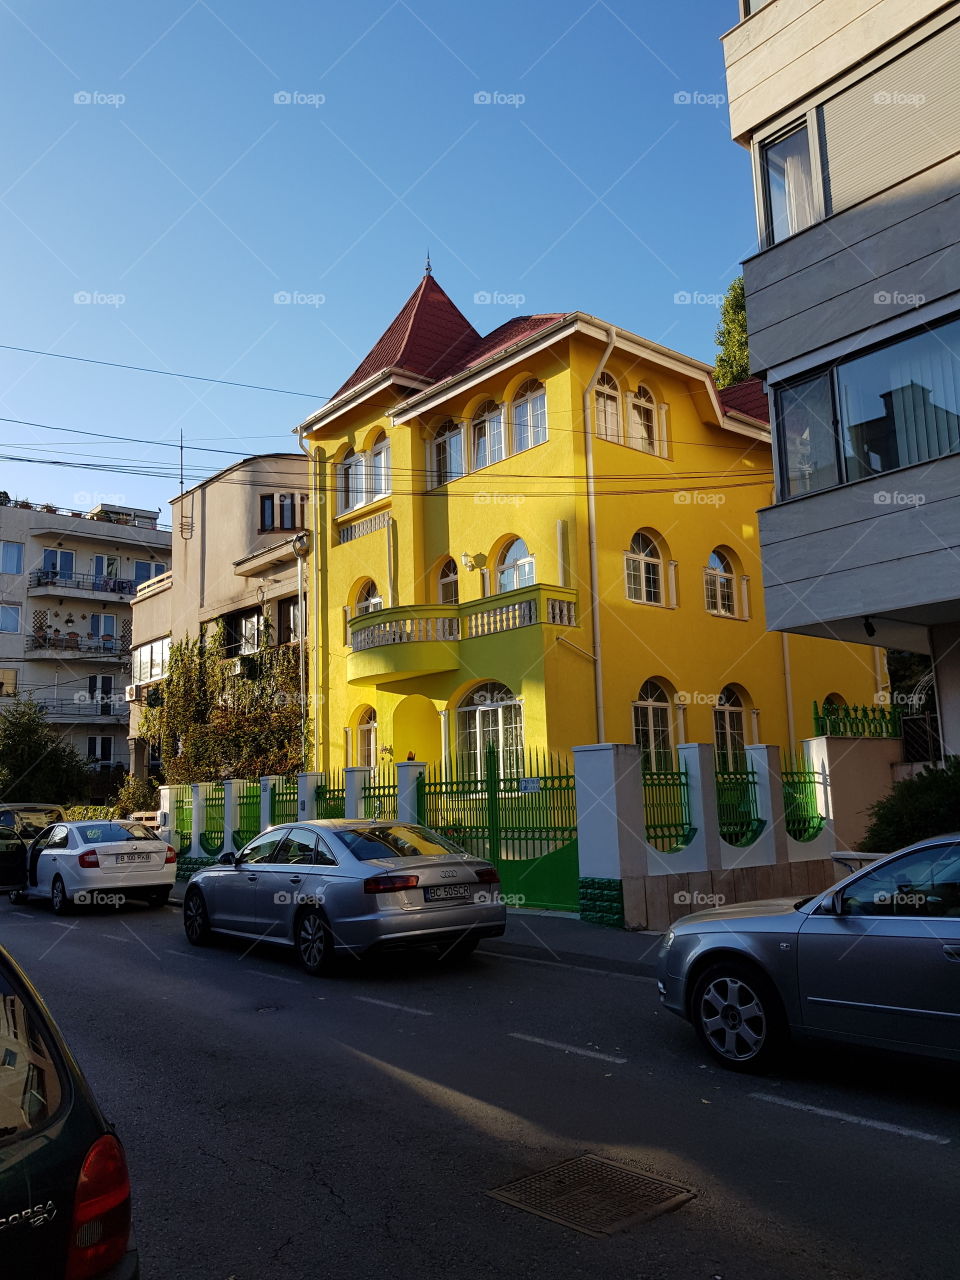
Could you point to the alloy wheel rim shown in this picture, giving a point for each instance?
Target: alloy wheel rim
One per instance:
(311, 940)
(733, 1019)
(57, 894)
(194, 918)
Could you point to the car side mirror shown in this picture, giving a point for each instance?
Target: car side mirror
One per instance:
(833, 904)
(238, 859)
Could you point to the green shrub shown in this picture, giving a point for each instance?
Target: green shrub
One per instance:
(137, 795)
(89, 812)
(925, 805)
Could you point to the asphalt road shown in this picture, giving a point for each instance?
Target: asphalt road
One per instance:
(280, 1127)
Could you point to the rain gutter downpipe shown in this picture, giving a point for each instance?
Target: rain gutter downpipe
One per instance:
(592, 534)
(313, 467)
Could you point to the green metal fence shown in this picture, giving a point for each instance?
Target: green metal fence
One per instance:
(248, 813)
(526, 825)
(857, 722)
(283, 800)
(737, 814)
(330, 795)
(380, 795)
(801, 804)
(183, 816)
(212, 835)
(666, 806)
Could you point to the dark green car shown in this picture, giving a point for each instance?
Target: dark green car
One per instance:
(64, 1189)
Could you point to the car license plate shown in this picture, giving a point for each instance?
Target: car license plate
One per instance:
(447, 892)
(133, 857)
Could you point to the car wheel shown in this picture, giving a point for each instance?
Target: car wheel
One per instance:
(459, 951)
(738, 1016)
(313, 942)
(59, 899)
(196, 921)
(158, 897)
(17, 896)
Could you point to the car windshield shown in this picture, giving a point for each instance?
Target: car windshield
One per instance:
(30, 822)
(396, 841)
(31, 1085)
(112, 833)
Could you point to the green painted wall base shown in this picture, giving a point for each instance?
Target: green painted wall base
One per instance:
(601, 901)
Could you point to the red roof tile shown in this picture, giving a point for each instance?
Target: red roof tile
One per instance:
(507, 335)
(747, 397)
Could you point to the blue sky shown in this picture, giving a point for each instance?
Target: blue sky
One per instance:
(157, 194)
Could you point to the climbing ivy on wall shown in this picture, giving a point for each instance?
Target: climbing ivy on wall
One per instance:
(211, 722)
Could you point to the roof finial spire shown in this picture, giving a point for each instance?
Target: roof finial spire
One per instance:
(428, 269)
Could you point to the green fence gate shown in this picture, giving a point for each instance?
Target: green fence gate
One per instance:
(283, 800)
(525, 825)
(380, 795)
(666, 807)
(331, 795)
(212, 835)
(801, 807)
(248, 813)
(738, 818)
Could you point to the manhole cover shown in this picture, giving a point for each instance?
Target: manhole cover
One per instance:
(592, 1195)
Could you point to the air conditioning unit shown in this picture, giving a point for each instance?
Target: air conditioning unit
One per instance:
(130, 692)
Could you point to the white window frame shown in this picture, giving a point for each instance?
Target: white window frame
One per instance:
(487, 716)
(644, 431)
(720, 583)
(367, 739)
(808, 123)
(4, 543)
(635, 566)
(6, 610)
(9, 682)
(351, 482)
(606, 398)
(535, 424)
(445, 578)
(441, 471)
(380, 479)
(104, 620)
(730, 722)
(518, 569)
(647, 733)
(367, 601)
(58, 553)
(488, 432)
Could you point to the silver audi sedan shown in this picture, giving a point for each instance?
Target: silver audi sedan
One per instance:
(344, 887)
(873, 961)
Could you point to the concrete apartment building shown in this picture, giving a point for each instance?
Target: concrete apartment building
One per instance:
(851, 112)
(237, 542)
(67, 579)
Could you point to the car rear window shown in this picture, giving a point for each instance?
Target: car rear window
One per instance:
(396, 841)
(31, 1083)
(112, 832)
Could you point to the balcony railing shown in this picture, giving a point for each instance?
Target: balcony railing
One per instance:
(83, 582)
(84, 707)
(74, 645)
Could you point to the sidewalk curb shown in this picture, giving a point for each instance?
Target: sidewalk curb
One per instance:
(579, 960)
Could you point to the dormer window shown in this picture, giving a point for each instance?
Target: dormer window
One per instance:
(282, 511)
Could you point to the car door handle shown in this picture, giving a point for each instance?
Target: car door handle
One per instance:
(295, 879)
(253, 879)
(952, 953)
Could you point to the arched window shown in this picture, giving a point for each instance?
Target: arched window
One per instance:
(448, 583)
(718, 586)
(515, 567)
(653, 726)
(448, 462)
(529, 414)
(368, 598)
(351, 489)
(490, 719)
(607, 396)
(643, 421)
(834, 701)
(380, 468)
(728, 728)
(488, 443)
(367, 739)
(644, 570)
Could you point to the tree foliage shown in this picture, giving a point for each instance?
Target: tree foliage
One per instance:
(36, 763)
(212, 722)
(927, 804)
(733, 358)
(136, 795)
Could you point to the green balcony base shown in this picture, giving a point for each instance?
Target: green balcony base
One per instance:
(601, 901)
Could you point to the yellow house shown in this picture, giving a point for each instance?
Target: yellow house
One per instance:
(542, 538)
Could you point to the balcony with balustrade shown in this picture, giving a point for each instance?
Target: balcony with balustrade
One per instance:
(51, 582)
(407, 641)
(73, 646)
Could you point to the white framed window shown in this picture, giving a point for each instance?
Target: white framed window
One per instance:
(8, 682)
(100, 750)
(488, 439)
(644, 570)
(103, 627)
(380, 480)
(367, 739)
(490, 715)
(448, 583)
(729, 731)
(251, 632)
(351, 482)
(106, 567)
(11, 557)
(10, 618)
(789, 200)
(719, 586)
(607, 400)
(151, 661)
(144, 570)
(516, 567)
(643, 433)
(282, 511)
(447, 461)
(653, 726)
(529, 416)
(369, 599)
(57, 564)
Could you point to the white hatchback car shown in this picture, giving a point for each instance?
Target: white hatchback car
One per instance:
(101, 863)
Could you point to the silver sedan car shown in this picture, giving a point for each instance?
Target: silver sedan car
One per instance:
(873, 961)
(344, 887)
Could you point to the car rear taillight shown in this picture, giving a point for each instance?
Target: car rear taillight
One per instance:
(171, 855)
(101, 1212)
(389, 884)
(89, 859)
(488, 875)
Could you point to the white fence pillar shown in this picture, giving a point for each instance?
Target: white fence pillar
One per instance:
(355, 778)
(771, 845)
(230, 799)
(165, 815)
(704, 851)
(307, 784)
(197, 814)
(266, 817)
(409, 773)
